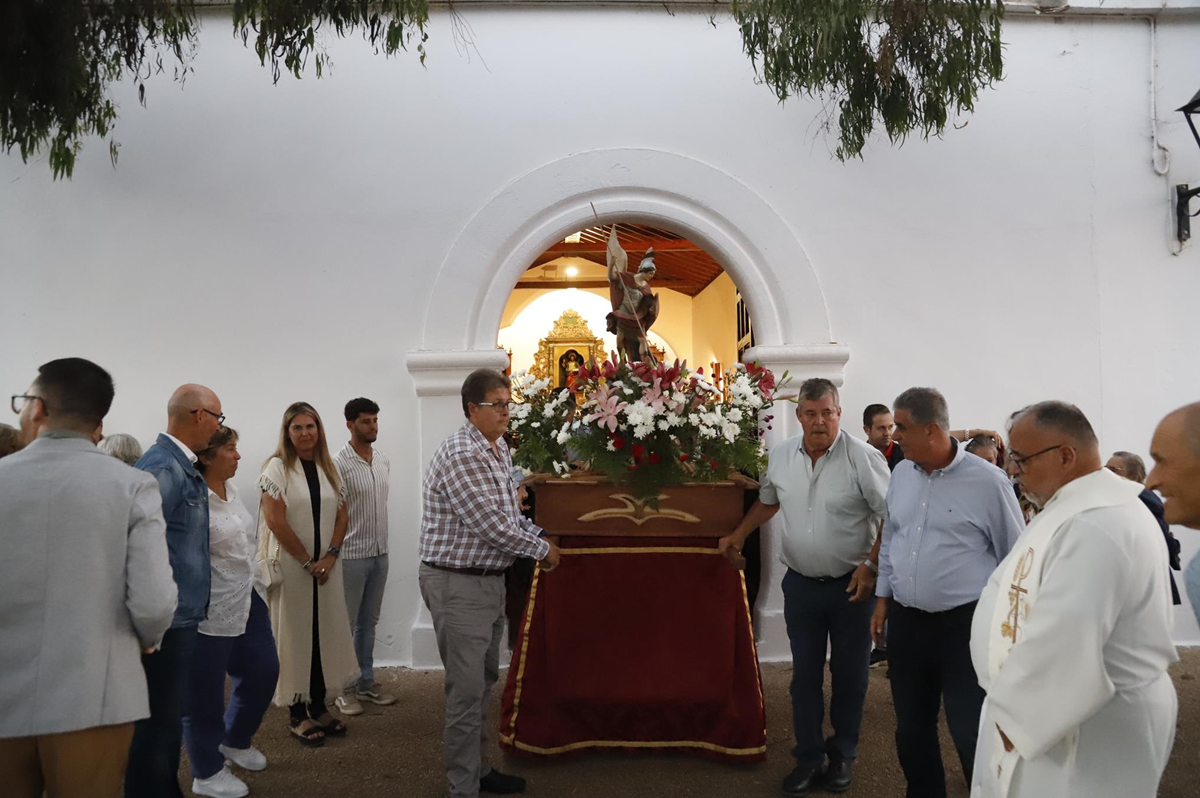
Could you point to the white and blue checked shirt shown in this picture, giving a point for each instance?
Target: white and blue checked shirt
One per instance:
(470, 517)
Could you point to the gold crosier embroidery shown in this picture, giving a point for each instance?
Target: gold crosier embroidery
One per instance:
(1018, 602)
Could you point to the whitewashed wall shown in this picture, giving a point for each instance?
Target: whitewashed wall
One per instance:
(285, 242)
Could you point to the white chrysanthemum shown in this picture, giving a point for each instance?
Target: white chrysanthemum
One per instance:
(612, 445)
(640, 414)
(708, 432)
(664, 425)
(730, 431)
(643, 430)
(735, 415)
(536, 424)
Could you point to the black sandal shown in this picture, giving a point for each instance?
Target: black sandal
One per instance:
(334, 728)
(312, 737)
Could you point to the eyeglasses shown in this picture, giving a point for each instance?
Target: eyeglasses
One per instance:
(18, 406)
(220, 417)
(501, 407)
(1019, 462)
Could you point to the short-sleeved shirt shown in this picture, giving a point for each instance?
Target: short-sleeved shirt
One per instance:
(231, 539)
(366, 502)
(830, 510)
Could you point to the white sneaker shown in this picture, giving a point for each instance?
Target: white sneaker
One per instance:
(222, 785)
(349, 705)
(376, 696)
(246, 758)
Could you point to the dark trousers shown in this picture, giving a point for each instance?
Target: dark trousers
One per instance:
(818, 613)
(252, 662)
(315, 708)
(929, 659)
(153, 770)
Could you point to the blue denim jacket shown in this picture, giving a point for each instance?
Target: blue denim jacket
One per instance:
(185, 508)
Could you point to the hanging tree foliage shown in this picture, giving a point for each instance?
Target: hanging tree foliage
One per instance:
(58, 58)
(905, 63)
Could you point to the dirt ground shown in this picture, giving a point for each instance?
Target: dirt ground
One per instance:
(396, 751)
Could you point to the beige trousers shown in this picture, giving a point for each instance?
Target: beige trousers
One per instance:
(89, 763)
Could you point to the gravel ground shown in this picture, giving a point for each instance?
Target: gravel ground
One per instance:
(396, 751)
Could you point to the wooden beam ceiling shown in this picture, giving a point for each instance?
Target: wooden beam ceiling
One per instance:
(682, 265)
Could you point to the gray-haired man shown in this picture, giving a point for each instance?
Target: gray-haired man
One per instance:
(951, 519)
(831, 488)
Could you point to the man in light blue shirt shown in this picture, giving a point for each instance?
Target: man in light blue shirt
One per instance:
(952, 518)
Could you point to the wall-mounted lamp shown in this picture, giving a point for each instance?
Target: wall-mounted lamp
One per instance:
(1184, 195)
(572, 271)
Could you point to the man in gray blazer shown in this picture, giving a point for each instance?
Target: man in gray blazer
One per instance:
(85, 587)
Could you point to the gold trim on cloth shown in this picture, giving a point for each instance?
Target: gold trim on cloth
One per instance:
(511, 739)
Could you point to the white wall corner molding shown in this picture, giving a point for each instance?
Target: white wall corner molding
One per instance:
(441, 372)
(804, 361)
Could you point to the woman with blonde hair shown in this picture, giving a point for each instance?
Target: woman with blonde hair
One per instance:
(302, 521)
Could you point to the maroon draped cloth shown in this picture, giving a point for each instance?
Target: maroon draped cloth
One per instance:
(636, 643)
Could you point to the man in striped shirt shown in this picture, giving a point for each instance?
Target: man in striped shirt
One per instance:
(365, 472)
(471, 531)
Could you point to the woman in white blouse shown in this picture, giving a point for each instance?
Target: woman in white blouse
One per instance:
(235, 638)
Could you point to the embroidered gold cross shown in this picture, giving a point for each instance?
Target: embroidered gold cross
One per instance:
(1016, 591)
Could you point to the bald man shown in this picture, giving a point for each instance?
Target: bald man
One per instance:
(193, 415)
(1072, 635)
(1175, 449)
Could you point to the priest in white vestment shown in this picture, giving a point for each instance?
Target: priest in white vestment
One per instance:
(1072, 635)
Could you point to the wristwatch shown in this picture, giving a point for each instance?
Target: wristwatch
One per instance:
(336, 551)
(873, 566)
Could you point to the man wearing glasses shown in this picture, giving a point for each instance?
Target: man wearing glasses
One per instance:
(952, 517)
(1072, 636)
(471, 531)
(85, 586)
(193, 415)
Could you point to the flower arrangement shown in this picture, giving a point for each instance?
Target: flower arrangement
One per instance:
(644, 426)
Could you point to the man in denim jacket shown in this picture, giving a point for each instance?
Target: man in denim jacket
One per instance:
(193, 415)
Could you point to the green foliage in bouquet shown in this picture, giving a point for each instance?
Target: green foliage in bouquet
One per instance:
(645, 427)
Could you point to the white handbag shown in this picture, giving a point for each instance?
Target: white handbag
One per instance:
(271, 569)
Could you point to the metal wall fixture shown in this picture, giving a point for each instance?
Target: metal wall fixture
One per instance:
(1183, 194)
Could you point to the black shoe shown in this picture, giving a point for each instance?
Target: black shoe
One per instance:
(802, 779)
(838, 776)
(501, 784)
(878, 657)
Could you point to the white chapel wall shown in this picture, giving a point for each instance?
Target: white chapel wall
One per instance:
(283, 242)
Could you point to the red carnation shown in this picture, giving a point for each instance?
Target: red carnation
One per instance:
(654, 458)
(618, 443)
(633, 467)
(637, 451)
(714, 465)
(683, 458)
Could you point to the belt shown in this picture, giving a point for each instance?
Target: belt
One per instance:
(468, 571)
(824, 579)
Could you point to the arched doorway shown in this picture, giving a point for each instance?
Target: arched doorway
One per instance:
(656, 189)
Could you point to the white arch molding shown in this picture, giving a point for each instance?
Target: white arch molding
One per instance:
(661, 189)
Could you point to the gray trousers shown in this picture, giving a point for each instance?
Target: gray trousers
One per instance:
(364, 580)
(468, 620)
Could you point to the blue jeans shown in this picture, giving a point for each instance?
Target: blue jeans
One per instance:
(153, 770)
(820, 614)
(365, 580)
(252, 661)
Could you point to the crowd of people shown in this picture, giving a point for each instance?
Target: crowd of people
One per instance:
(971, 562)
(139, 582)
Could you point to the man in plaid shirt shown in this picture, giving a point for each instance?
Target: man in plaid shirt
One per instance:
(471, 531)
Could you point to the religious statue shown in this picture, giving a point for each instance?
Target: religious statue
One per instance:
(634, 306)
(568, 365)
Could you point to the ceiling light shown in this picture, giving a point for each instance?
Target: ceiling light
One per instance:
(573, 238)
(572, 271)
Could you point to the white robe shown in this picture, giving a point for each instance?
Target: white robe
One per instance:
(1093, 656)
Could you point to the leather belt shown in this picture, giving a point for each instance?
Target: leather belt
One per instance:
(468, 571)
